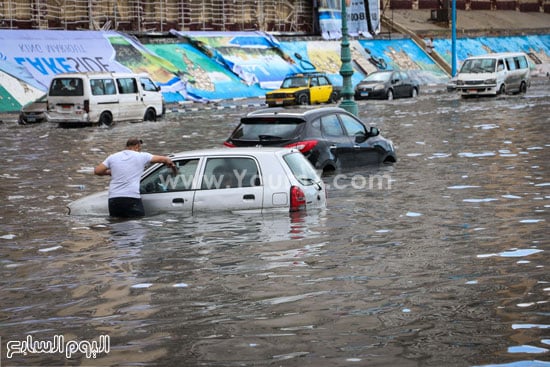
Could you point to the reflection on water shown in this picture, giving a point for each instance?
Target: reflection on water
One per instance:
(438, 260)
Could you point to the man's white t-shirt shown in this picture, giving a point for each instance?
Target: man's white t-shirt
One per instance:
(126, 168)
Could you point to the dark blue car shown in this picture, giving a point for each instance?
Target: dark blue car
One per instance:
(387, 85)
(329, 137)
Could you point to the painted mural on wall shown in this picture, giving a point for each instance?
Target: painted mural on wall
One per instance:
(35, 57)
(255, 57)
(324, 56)
(537, 45)
(199, 78)
(403, 55)
(39, 55)
(214, 68)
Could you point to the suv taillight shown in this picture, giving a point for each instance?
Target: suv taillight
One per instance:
(229, 144)
(87, 106)
(297, 199)
(303, 146)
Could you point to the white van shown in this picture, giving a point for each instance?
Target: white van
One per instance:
(493, 74)
(103, 98)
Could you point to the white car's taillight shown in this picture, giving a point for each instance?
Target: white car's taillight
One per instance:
(297, 199)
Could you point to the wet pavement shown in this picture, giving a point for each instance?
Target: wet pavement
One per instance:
(438, 260)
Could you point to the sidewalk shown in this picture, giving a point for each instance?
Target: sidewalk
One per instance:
(472, 22)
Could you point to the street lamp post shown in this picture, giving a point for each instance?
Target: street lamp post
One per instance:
(346, 69)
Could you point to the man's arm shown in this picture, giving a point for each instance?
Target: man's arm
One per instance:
(167, 161)
(102, 170)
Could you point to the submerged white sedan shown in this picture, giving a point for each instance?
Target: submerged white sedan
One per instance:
(239, 179)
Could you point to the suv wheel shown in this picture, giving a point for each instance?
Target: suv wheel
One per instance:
(303, 99)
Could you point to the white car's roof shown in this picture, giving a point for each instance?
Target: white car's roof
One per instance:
(255, 151)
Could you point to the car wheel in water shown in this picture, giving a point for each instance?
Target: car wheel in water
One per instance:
(502, 89)
(523, 87)
(106, 119)
(389, 95)
(414, 93)
(303, 99)
(150, 115)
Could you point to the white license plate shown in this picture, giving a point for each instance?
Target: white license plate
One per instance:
(364, 94)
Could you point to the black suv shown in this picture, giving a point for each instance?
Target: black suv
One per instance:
(329, 137)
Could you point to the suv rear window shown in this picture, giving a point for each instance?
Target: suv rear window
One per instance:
(301, 168)
(268, 129)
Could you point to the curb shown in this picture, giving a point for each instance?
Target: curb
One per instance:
(226, 104)
(243, 103)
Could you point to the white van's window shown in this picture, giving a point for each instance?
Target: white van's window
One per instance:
(478, 66)
(127, 85)
(510, 63)
(148, 85)
(489, 65)
(523, 62)
(66, 87)
(102, 87)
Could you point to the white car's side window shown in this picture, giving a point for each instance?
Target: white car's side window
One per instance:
(232, 172)
(164, 180)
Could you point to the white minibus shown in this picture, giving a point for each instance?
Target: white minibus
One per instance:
(493, 74)
(103, 98)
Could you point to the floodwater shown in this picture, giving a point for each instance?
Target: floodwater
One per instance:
(438, 260)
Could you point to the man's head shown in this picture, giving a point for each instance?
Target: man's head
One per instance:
(134, 144)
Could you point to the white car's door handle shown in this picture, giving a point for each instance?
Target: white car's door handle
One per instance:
(178, 201)
(249, 197)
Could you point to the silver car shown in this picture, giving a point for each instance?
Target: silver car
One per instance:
(33, 112)
(239, 179)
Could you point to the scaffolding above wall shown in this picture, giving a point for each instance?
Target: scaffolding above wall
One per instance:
(283, 16)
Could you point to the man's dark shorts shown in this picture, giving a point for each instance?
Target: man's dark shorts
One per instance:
(126, 207)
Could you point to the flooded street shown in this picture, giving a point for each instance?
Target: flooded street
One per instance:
(438, 260)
